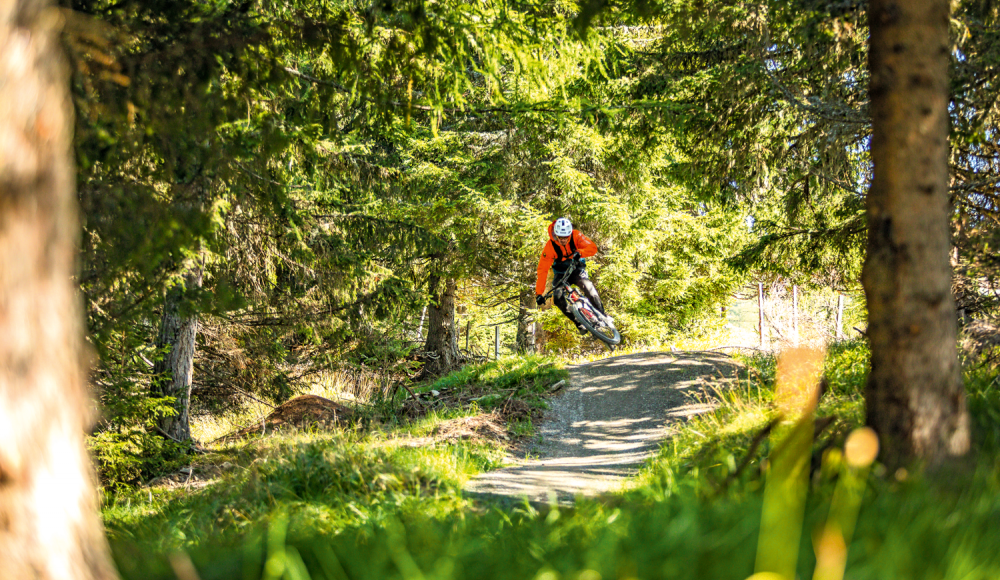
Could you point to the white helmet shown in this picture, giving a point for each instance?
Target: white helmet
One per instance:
(563, 227)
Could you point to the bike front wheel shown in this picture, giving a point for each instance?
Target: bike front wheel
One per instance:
(596, 323)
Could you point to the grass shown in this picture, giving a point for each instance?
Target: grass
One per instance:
(528, 374)
(902, 534)
(322, 482)
(706, 454)
(353, 505)
(209, 428)
(325, 482)
(513, 387)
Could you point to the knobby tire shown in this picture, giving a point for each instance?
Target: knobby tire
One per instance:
(610, 339)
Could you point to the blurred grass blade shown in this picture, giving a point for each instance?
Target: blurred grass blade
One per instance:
(787, 478)
(860, 451)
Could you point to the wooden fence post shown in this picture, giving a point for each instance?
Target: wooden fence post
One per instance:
(760, 312)
(496, 342)
(840, 316)
(795, 314)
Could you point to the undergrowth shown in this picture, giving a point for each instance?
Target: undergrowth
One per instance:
(514, 387)
(528, 375)
(715, 448)
(322, 482)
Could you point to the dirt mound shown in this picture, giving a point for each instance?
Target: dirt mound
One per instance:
(301, 412)
(478, 427)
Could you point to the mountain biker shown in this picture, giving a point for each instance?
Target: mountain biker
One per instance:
(566, 247)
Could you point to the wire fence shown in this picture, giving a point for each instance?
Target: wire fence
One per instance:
(761, 317)
(785, 315)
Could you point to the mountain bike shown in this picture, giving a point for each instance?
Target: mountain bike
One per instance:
(599, 325)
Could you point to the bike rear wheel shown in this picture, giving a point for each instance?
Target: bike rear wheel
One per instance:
(595, 322)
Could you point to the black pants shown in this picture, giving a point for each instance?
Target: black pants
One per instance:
(580, 280)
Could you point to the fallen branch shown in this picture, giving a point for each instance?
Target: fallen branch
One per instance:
(167, 435)
(742, 347)
(194, 447)
(246, 394)
(820, 424)
(412, 395)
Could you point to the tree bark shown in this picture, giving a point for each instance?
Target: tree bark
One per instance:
(178, 332)
(442, 339)
(526, 326)
(915, 396)
(49, 522)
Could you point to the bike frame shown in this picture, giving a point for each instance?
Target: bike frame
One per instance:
(581, 307)
(563, 286)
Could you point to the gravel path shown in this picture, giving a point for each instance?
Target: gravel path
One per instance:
(611, 418)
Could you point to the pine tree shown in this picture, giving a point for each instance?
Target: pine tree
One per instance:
(915, 396)
(50, 528)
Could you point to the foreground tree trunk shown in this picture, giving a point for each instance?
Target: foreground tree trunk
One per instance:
(178, 332)
(915, 396)
(49, 523)
(442, 339)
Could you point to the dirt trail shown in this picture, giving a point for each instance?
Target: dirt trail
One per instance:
(611, 418)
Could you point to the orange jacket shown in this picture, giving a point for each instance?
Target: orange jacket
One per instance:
(586, 248)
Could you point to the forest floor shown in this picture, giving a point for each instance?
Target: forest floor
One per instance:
(612, 417)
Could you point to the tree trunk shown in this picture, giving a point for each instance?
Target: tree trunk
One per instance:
(526, 326)
(541, 338)
(915, 396)
(49, 523)
(178, 332)
(442, 339)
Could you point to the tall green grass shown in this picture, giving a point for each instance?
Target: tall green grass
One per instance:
(708, 451)
(907, 532)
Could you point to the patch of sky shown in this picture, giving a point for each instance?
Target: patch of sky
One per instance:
(772, 64)
(852, 80)
(862, 146)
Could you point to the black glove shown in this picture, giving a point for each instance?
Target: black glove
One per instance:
(575, 256)
(539, 299)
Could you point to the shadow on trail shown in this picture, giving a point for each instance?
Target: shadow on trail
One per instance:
(611, 418)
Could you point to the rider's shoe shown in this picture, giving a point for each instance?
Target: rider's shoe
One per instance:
(582, 329)
(610, 320)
